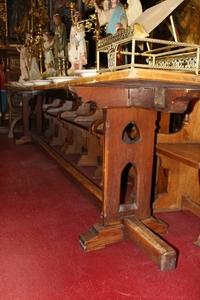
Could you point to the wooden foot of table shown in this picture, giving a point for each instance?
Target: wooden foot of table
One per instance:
(156, 225)
(24, 140)
(158, 250)
(197, 243)
(100, 236)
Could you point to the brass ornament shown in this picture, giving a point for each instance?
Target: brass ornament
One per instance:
(3, 21)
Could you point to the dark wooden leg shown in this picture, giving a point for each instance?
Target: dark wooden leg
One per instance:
(12, 126)
(119, 152)
(38, 113)
(26, 138)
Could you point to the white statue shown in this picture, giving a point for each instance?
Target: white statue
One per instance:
(60, 39)
(77, 52)
(133, 11)
(34, 73)
(28, 62)
(25, 59)
(48, 46)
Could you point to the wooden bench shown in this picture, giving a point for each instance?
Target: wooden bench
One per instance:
(179, 156)
(83, 124)
(72, 134)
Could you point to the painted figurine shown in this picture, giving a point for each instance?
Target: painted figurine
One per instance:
(48, 46)
(112, 14)
(133, 11)
(60, 39)
(77, 52)
(25, 59)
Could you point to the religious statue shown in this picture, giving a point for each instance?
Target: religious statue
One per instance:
(29, 60)
(112, 14)
(77, 47)
(48, 45)
(34, 70)
(62, 7)
(60, 39)
(25, 59)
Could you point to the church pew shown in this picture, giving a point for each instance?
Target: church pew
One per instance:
(179, 156)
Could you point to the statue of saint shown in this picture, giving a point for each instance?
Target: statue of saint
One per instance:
(62, 7)
(60, 39)
(133, 11)
(112, 14)
(77, 52)
(28, 61)
(25, 59)
(34, 70)
(48, 46)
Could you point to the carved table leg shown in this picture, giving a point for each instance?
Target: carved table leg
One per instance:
(122, 148)
(26, 138)
(39, 113)
(12, 126)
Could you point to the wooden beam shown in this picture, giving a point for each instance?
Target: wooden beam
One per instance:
(158, 250)
(197, 243)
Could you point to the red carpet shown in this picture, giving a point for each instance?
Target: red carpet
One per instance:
(41, 215)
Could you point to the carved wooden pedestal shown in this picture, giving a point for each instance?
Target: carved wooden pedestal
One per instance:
(121, 219)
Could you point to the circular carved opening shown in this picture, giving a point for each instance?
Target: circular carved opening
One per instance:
(131, 133)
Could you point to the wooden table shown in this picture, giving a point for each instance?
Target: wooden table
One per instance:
(132, 96)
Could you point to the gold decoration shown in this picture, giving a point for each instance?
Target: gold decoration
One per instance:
(3, 12)
(3, 21)
(90, 4)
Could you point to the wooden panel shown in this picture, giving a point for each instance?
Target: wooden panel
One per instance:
(179, 154)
